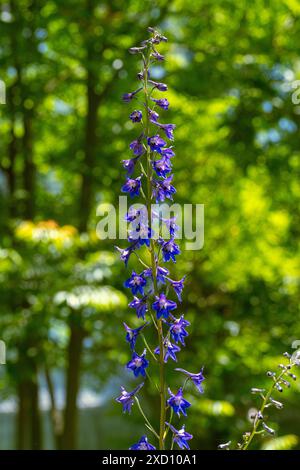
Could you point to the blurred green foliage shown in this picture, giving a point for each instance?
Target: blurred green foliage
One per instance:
(230, 68)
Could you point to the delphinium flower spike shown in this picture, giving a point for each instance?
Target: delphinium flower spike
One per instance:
(148, 173)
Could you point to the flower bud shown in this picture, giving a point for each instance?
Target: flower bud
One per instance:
(224, 446)
(293, 376)
(276, 403)
(285, 382)
(268, 429)
(257, 390)
(270, 374)
(286, 354)
(279, 388)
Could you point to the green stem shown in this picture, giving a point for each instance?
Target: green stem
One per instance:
(145, 418)
(256, 420)
(153, 266)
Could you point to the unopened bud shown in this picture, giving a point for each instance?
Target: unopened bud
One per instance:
(259, 415)
(286, 354)
(270, 374)
(276, 403)
(279, 388)
(224, 446)
(257, 390)
(293, 376)
(285, 382)
(268, 429)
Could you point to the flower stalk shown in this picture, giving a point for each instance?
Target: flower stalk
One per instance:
(152, 287)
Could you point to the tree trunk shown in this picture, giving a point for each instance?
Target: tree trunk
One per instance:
(73, 375)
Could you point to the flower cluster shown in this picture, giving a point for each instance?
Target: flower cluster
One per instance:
(149, 176)
(279, 381)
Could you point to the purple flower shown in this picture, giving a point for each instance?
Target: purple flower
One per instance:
(127, 398)
(168, 129)
(178, 287)
(137, 215)
(125, 253)
(162, 167)
(177, 329)
(167, 153)
(132, 186)
(138, 364)
(153, 115)
(197, 379)
(181, 436)
(132, 334)
(159, 86)
(136, 116)
(163, 306)
(136, 283)
(137, 147)
(129, 165)
(136, 50)
(142, 233)
(156, 55)
(162, 103)
(140, 306)
(161, 274)
(177, 402)
(169, 250)
(127, 97)
(163, 189)
(156, 142)
(169, 350)
(143, 444)
(171, 225)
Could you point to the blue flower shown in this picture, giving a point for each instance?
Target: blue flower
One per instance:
(177, 329)
(163, 306)
(140, 306)
(125, 252)
(129, 165)
(156, 142)
(137, 147)
(127, 398)
(158, 85)
(181, 436)
(178, 287)
(156, 55)
(163, 189)
(162, 103)
(161, 274)
(169, 350)
(136, 283)
(169, 250)
(136, 116)
(143, 444)
(127, 97)
(153, 115)
(132, 334)
(168, 152)
(142, 233)
(197, 379)
(138, 364)
(167, 128)
(177, 402)
(171, 225)
(132, 186)
(162, 167)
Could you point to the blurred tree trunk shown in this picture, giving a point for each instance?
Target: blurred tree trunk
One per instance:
(85, 205)
(29, 434)
(28, 419)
